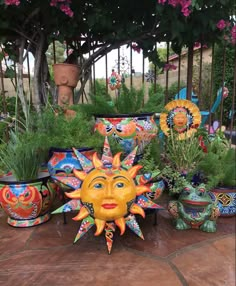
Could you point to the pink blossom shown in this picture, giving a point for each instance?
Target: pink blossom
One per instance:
(162, 2)
(66, 9)
(185, 4)
(233, 32)
(221, 24)
(136, 48)
(12, 2)
(169, 67)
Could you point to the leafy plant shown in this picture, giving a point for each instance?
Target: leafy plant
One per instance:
(183, 155)
(21, 156)
(127, 101)
(154, 160)
(218, 165)
(56, 130)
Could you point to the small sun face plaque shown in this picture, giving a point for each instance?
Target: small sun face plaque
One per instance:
(110, 195)
(182, 116)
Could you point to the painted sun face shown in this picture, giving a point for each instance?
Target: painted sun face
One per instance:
(180, 120)
(109, 193)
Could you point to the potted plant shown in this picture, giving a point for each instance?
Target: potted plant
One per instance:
(26, 193)
(193, 206)
(218, 169)
(121, 117)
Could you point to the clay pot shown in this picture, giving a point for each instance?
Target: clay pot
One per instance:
(225, 199)
(66, 77)
(27, 203)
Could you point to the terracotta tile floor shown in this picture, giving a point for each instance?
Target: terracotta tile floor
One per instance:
(45, 255)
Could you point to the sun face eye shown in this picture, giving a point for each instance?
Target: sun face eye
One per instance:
(120, 185)
(98, 186)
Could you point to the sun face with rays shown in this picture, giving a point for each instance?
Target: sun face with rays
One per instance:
(108, 193)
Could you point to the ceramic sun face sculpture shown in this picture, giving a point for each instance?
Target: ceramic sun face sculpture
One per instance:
(110, 194)
(182, 116)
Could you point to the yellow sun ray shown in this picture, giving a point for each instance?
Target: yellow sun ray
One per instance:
(83, 213)
(80, 174)
(96, 161)
(74, 195)
(136, 209)
(134, 170)
(116, 160)
(100, 224)
(120, 222)
(142, 189)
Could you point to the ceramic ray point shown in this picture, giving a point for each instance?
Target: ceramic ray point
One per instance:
(70, 181)
(145, 203)
(72, 205)
(85, 226)
(127, 163)
(131, 222)
(147, 177)
(109, 234)
(85, 163)
(107, 154)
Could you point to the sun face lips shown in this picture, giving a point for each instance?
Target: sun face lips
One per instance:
(109, 206)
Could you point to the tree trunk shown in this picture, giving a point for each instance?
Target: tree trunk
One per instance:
(20, 85)
(37, 72)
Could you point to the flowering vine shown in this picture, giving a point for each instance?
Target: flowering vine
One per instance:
(228, 29)
(169, 67)
(63, 5)
(185, 5)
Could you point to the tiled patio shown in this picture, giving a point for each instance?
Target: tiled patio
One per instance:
(46, 255)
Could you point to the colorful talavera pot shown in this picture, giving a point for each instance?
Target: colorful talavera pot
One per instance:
(225, 199)
(130, 130)
(62, 162)
(27, 203)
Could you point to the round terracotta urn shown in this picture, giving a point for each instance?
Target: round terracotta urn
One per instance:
(66, 77)
(27, 203)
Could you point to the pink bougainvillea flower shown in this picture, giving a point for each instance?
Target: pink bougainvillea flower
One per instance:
(185, 4)
(12, 2)
(169, 67)
(221, 24)
(136, 48)
(233, 32)
(225, 92)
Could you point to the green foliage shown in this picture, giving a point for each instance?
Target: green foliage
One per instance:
(229, 76)
(174, 180)
(151, 159)
(59, 53)
(58, 131)
(21, 156)
(155, 101)
(183, 155)
(173, 89)
(128, 101)
(218, 165)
